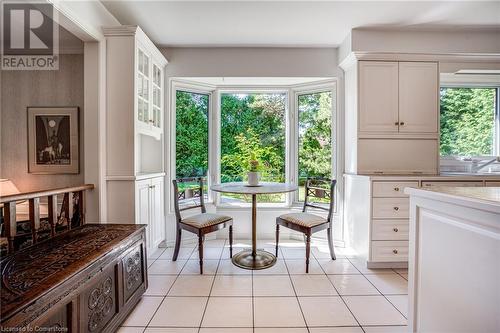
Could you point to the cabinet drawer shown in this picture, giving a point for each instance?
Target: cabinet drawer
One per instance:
(455, 184)
(396, 208)
(390, 229)
(389, 251)
(391, 189)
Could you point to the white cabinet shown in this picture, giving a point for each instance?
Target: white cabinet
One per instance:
(149, 194)
(134, 131)
(418, 97)
(149, 92)
(378, 99)
(398, 97)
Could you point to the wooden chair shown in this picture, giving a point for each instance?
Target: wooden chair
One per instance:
(200, 224)
(310, 223)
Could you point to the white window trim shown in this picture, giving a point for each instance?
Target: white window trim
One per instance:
(291, 135)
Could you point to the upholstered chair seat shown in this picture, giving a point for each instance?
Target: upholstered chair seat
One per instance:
(205, 220)
(303, 219)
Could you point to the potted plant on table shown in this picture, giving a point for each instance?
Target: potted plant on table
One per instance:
(253, 172)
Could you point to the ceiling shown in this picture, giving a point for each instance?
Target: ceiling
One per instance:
(292, 23)
(253, 81)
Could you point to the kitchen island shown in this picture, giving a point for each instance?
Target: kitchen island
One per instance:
(454, 259)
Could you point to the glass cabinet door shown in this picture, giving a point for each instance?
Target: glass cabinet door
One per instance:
(143, 78)
(157, 91)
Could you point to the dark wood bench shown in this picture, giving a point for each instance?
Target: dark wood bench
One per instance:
(87, 279)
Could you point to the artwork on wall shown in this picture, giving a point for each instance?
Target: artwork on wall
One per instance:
(53, 140)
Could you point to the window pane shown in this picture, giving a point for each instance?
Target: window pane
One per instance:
(467, 121)
(315, 137)
(191, 134)
(252, 127)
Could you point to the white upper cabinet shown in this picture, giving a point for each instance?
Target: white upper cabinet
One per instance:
(149, 86)
(378, 96)
(418, 97)
(398, 98)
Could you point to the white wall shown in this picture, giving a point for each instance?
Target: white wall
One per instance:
(248, 62)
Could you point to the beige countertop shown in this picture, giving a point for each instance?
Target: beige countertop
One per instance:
(479, 193)
(441, 177)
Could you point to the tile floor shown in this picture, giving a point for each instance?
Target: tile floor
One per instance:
(341, 296)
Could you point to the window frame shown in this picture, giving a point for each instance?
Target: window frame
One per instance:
(291, 135)
(480, 82)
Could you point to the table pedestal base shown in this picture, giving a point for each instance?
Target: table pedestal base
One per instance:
(263, 259)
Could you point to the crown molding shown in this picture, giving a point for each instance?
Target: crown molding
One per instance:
(121, 30)
(355, 56)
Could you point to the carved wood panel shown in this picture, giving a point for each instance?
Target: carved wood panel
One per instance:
(133, 274)
(99, 302)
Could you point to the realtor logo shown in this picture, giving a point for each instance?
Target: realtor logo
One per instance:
(30, 36)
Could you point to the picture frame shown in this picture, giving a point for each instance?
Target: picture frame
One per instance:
(53, 140)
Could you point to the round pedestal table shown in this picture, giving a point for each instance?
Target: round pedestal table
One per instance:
(254, 259)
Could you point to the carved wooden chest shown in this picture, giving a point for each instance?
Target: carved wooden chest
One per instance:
(85, 280)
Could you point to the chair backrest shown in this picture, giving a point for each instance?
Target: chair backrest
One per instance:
(188, 192)
(320, 188)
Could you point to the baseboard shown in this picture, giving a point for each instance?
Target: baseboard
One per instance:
(396, 264)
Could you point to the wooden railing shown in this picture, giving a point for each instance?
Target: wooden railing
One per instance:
(72, 197)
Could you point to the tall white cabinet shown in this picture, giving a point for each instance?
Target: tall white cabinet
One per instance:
(135, 172)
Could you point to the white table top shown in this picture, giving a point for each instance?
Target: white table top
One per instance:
(263, 188)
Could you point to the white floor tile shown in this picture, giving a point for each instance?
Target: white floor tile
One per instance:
(277, 312)
(279, 268)
(326, 311)
(353, 285)
(360, 264)
(298, 266)
(208, 253)
(156, 253)
(272, 285)
(184, 253)
(180, 312)
(281, 330)
(226, 330)
(226, 267)
(293, 253)
(374, 310)
(228, 312)
(166, 267)
(400, 302)
(225, 252)
(335, 330)
(192, 267)
(158, 285)
(192, 285)
(312, 285)
(389, 283)
(130, 329)
(232, 285)
(142, 313)
(339, 266)
(171, 330)
(322, 252)
(386, 329)
(216, 242)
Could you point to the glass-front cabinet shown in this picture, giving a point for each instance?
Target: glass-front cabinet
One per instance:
(149, 95)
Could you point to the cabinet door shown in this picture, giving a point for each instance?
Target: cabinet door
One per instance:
(143, 215)
(378, 96)
(157, 217)
(418, 97)
(157, 100)
(143, 87)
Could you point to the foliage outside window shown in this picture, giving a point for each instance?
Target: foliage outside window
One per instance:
(315, 137)
(191, 136)
(467, 121)
(253, 128)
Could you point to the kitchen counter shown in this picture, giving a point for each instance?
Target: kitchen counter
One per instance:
(440, 177)
(454, 267)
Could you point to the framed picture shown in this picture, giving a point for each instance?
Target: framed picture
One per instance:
(53, 140)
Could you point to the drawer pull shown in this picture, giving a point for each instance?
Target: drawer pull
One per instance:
(402, 123)
(395, 229)
(395, 251)
(396, 189)
(396, 123)
(396, 208)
